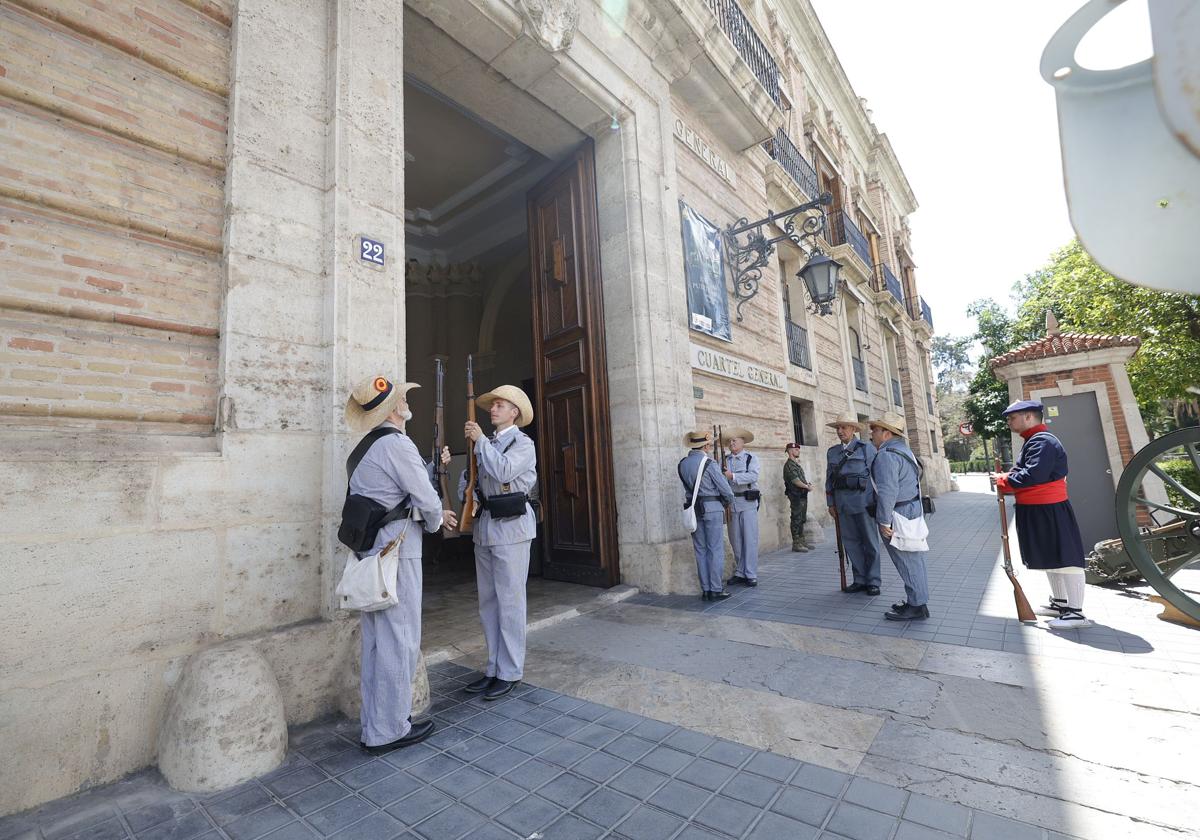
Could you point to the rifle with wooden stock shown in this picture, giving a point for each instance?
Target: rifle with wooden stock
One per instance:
(841, 548)
(467, 520)
(721, 462)
(439, 435)
(1024, 611)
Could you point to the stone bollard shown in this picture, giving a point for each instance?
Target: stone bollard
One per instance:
(225, 721)
(349, 694)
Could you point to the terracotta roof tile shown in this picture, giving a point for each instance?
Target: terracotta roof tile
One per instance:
(1063, 344)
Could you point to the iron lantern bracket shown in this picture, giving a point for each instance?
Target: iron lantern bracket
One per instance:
(748, 260)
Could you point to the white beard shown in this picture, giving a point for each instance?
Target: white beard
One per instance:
(406, 414)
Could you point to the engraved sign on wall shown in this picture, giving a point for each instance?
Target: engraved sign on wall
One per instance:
(717, 363)
(704, 270)
(705, 152)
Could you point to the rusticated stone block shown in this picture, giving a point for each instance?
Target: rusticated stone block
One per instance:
(224, 722)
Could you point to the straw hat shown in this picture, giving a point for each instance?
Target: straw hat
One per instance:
(845, 420)
(515, 396)
(738, 432)
(698, 439)
(372, 400)
(891, 421)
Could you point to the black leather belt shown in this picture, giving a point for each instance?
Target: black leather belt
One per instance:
(708, 498)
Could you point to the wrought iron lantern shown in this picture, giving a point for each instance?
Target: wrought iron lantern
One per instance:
(820, 277)
(820, 273)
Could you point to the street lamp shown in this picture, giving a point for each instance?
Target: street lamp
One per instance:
(820, 277)
(820, 273)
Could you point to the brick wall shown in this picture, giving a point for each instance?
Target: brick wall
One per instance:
(113, 121)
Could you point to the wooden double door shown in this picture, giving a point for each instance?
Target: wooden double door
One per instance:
(574, 434)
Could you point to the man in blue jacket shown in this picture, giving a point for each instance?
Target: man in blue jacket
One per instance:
(847, 484)
(708, 540)
(896, 484)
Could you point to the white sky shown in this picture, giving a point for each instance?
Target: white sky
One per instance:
(955, 86)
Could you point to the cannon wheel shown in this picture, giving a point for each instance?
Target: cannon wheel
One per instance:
(1183, 504)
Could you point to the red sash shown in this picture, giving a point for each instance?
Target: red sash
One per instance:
(1039, 494)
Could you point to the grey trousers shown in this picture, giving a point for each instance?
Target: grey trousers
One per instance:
(500, 574)
(911, 566)
(391, 648)
(743, 533)
(860, 538)
(708, 541)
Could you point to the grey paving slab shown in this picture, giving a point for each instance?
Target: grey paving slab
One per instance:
(598, 773)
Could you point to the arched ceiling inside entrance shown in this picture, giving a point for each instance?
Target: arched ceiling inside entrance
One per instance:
(464, 179)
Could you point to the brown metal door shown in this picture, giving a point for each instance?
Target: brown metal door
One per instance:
(574, 460)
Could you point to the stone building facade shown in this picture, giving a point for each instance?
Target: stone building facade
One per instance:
(188, 193)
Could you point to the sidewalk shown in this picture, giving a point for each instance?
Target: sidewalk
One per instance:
(788, 711)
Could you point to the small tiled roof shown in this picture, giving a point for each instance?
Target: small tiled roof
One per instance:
(1063, 344)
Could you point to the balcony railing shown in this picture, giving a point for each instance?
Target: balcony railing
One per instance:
(860, 374)
(926, 313)
(843, 231)
(750, 47)
(891, 283)
(896, 392)
(797, 340)
(788, 156)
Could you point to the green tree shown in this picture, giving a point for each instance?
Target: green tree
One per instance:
(1086, 299)
(997, 333)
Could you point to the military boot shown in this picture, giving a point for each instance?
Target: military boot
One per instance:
(798, 545)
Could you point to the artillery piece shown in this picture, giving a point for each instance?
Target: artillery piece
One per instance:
(1158, 517)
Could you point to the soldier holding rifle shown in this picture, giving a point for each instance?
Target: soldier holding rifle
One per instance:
(796, 488)
(847, 483)
(1047, 531)
(502, 500)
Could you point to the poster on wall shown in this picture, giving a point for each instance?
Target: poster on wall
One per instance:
(704, 269)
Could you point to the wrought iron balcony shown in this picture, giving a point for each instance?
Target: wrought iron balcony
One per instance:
(860, 374)
(797, 341)
(785, 153)
(926, 313)
(896, 392)
(891, 283)
(843, 231)
(750, 47)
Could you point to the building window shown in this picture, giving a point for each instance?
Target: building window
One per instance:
(857, 364)
(795, 331)
(804, 423)
(889, 343)
(933, 440)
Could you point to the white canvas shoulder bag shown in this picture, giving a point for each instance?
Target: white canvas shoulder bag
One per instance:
(369, 584)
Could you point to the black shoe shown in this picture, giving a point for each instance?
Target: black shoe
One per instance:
(719, 596)
(735, 579)
(855, 587)
(480, 685)
(751, 583)
(418, 733)
(909, 613)
(706, 596)
(899, 606)
(499, 689)
(872, 591)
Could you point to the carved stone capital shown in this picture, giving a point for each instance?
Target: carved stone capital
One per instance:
(552, 23)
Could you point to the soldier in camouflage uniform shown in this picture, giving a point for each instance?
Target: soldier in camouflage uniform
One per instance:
(796, 487)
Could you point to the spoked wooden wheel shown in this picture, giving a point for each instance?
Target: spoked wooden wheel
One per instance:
(1158, 515)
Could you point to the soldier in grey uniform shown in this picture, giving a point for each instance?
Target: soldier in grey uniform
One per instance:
(708, 540)
(896, 484)
(507, 471)
(847, 483)
(392, 473)
(741, 470)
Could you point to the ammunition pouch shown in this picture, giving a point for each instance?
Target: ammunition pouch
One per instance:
(750, 495)
(506, 505)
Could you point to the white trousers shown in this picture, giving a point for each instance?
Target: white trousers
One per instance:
(500, 574)
(391, 649)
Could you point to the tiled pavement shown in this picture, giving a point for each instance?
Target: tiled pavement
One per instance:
(536, 765)
(970, 603)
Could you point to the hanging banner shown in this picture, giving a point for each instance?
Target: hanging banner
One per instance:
(704, 269)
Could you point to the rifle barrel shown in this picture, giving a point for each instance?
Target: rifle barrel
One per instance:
(466, 521)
